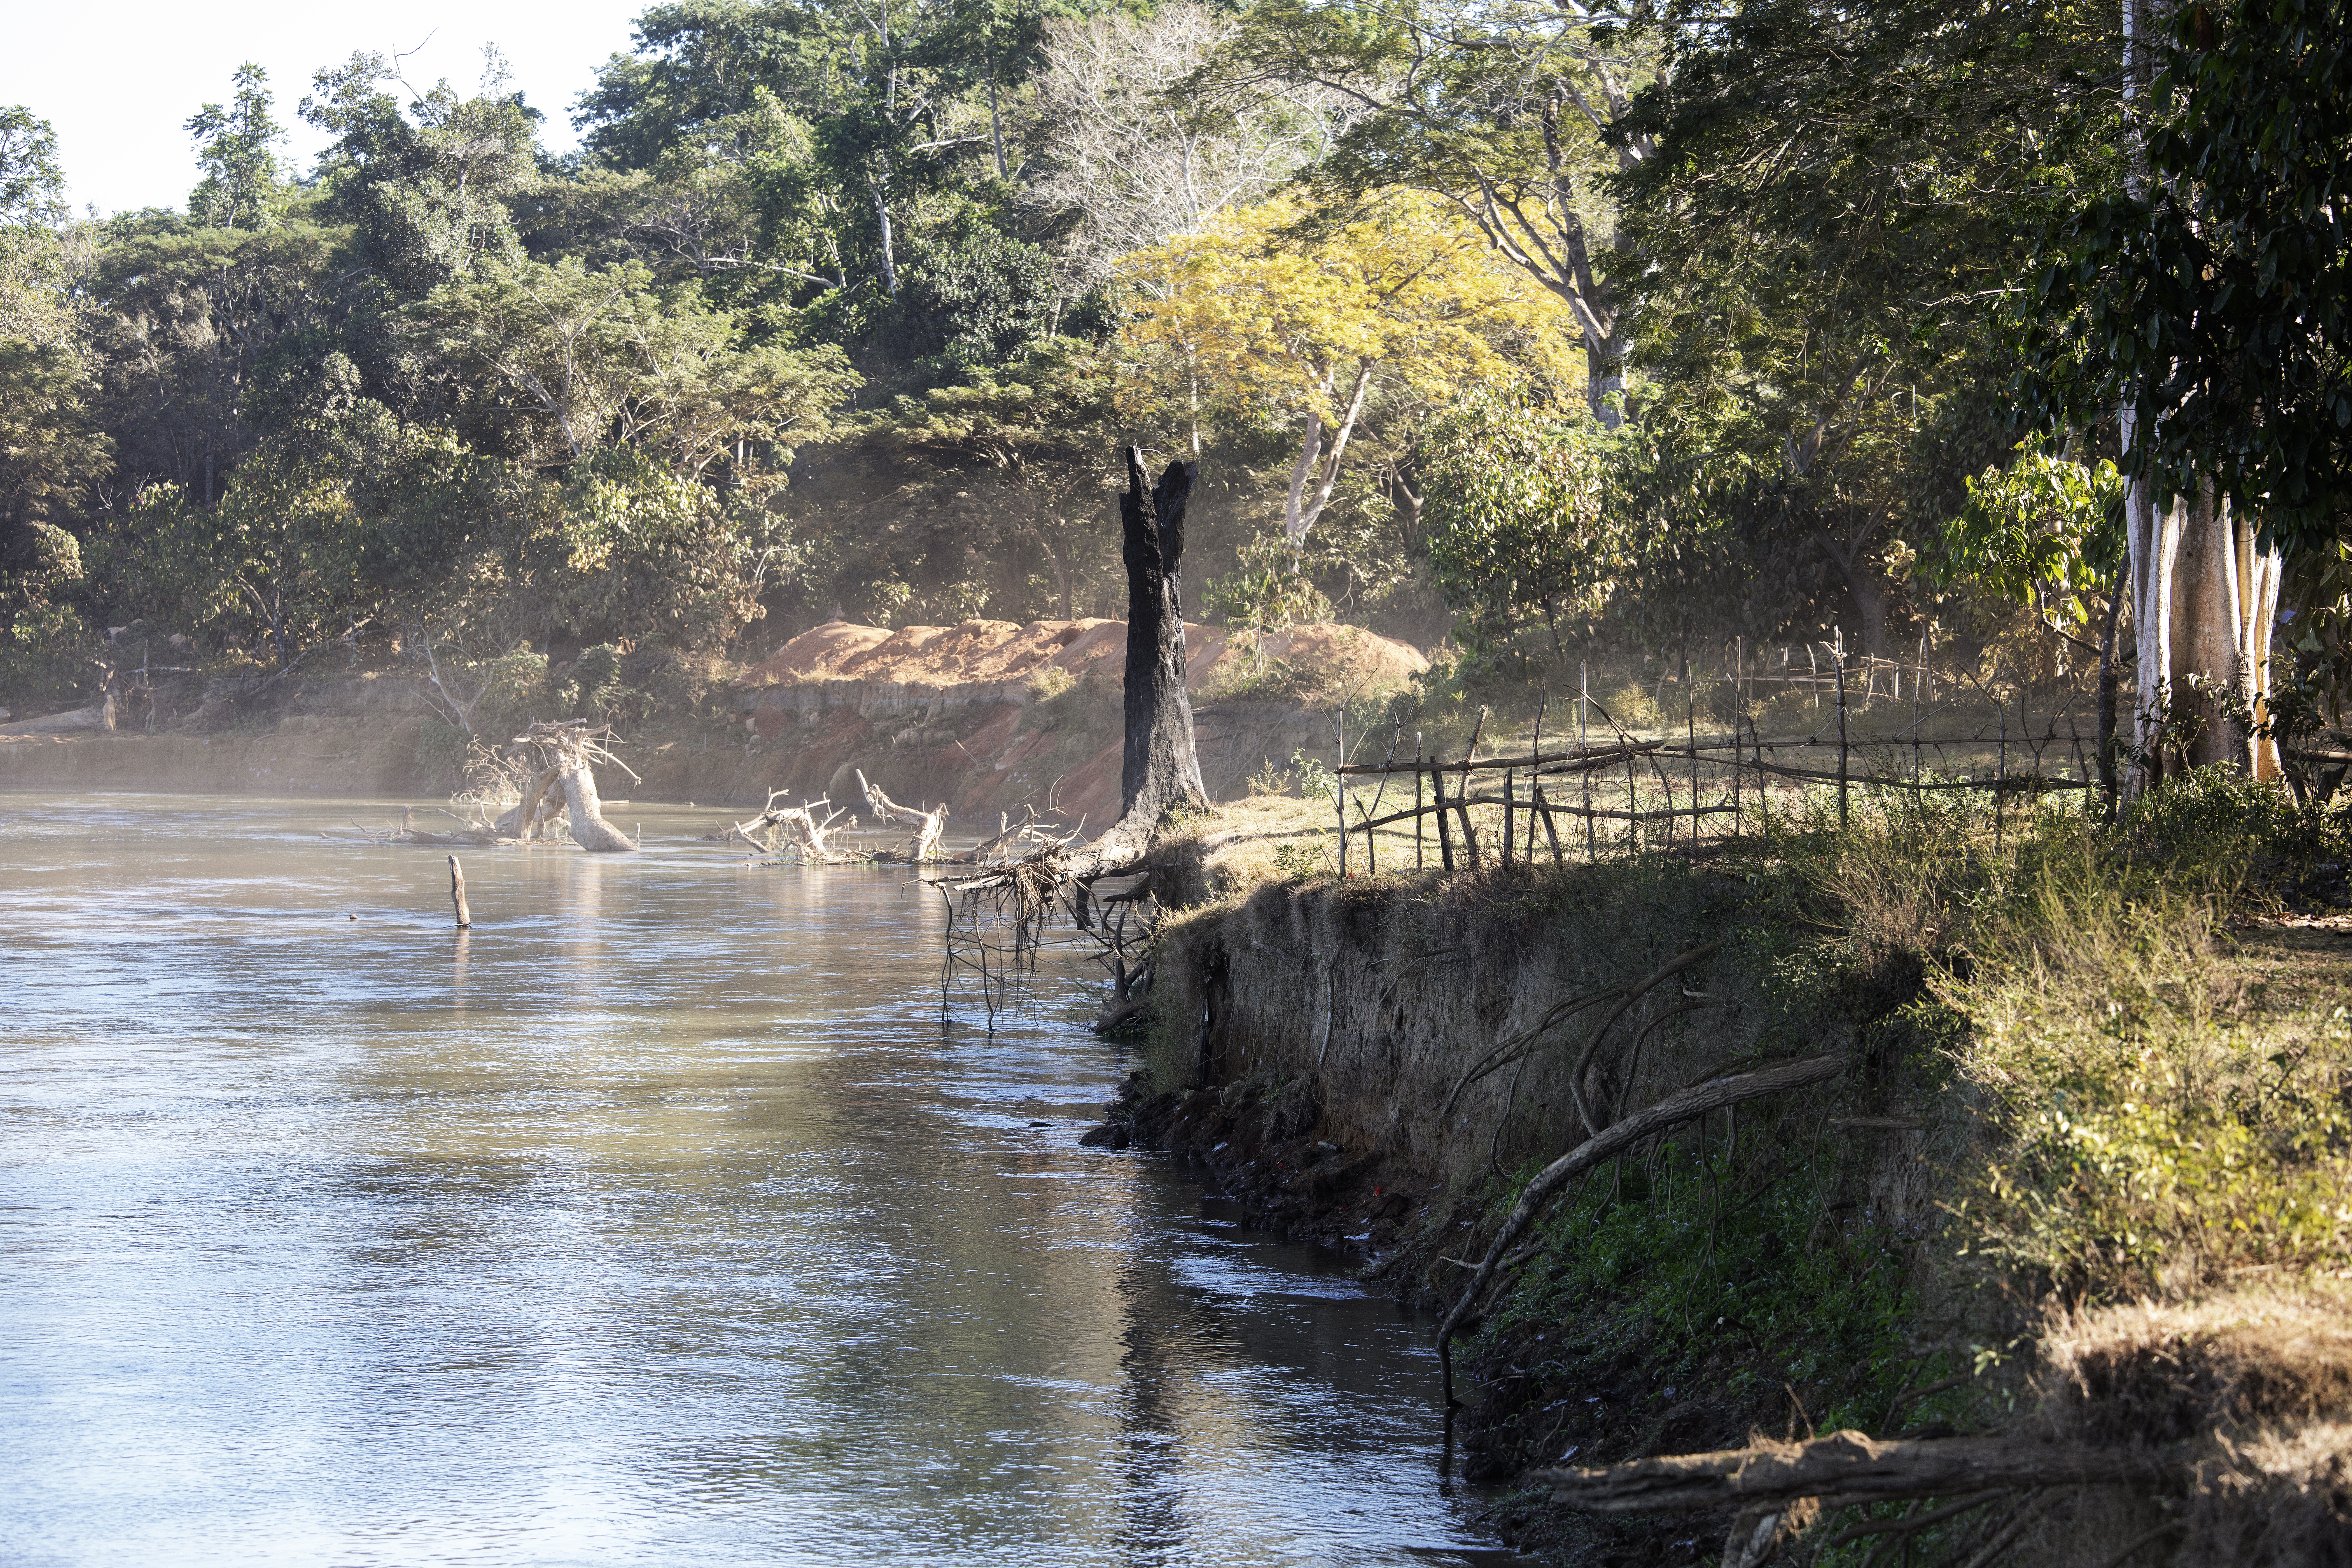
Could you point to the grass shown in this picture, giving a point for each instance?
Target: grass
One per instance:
(2123, 1052)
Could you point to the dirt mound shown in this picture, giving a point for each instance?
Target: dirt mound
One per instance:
(1338, 657)
(816, 654)
(998, 652)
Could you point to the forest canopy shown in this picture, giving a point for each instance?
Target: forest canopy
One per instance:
(1548, 330)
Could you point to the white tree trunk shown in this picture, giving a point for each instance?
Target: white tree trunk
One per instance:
(2204, 602)
(589, 829)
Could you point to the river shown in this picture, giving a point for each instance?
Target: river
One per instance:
(669, 1216)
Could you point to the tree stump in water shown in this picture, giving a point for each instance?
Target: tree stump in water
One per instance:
(563, 779)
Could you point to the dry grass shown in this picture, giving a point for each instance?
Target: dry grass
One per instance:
(2256, 1378)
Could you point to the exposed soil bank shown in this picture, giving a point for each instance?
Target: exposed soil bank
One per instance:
(1329, 1053)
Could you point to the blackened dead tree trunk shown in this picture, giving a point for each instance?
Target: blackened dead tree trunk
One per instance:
(1159, 768)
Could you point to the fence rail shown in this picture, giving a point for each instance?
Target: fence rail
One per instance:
(1733, 769)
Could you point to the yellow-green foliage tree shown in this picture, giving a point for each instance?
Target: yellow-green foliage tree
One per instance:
(1307, 320)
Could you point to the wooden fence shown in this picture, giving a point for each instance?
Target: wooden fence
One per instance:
(1710, 783)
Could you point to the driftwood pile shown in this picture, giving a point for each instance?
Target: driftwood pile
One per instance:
(797, 832)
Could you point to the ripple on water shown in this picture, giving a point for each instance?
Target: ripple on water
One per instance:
(666, 1216)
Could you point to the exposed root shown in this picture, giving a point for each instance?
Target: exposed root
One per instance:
(1675, 1108)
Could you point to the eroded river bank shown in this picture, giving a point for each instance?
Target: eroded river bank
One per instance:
(669, 1216)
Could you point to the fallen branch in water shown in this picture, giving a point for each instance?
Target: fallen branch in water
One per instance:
(926, 824)
(797, 828)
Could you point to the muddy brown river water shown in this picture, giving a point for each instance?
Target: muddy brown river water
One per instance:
(667, 1216)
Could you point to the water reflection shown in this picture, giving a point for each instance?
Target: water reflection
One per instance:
(660, 1217)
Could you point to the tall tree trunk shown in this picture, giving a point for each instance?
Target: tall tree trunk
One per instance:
(2152, 540)
(1319, 464)
(880, 187)
(2224, 601)
(1604, 373)
(1159, 767)
(2107, 698)
(995, 123)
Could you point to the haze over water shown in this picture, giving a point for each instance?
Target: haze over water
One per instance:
(661, 1218)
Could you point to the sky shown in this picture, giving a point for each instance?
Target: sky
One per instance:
(119, 81)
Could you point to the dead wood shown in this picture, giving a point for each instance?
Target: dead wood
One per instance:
(562, 757)
(798, 830)
(1849, 1467)
(928, 824)
(1688, 1106)
(1158, 767)
(540, 802)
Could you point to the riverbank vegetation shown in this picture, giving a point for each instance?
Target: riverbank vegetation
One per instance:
(1550, 338)
(2083, 1177)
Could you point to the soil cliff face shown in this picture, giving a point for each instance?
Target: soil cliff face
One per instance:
(1381, 1062)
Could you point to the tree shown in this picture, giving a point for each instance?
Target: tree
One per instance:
(1828, 196)
(2204, 293)
(559, 360)
(1498, 111)
(201, 338)
(1519, 519)
(1537, 511)
(887, 126)
(1121, 163)
(1308, 328)
(1037, 429)
(32, 183)
(236, 147)
(2047, 534)
(426, 190)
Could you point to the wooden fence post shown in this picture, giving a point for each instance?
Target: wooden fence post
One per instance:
(1416, 800)
(1690, 736)
(1444, 835)
(1585, 700)
(1510, 789)
(1841, 716)
(1918, 686)
(1461, 795)
(2000, 778)
(1339, 800)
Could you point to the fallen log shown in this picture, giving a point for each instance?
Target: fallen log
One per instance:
(1847, 1467)
(94, 717)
